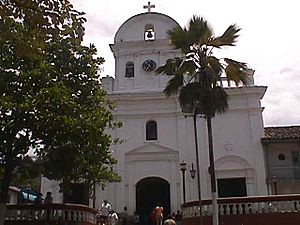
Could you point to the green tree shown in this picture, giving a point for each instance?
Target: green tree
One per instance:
(51, 101)
(197, 77)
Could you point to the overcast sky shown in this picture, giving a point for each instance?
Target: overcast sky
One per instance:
(269, 41)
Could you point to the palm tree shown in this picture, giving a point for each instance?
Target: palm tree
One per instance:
(197, 77)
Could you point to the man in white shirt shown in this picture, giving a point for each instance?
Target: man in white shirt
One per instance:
(113, 218)
(104, 211)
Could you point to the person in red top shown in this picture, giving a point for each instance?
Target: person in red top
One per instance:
(159, 214)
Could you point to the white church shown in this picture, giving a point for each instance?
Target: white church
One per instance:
(158, 137)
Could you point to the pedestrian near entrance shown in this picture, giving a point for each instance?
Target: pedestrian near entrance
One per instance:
(104, 212)
(178, 217)
(48, 199)
(136, 218)
(125, 216)
(159, 214)
(113, 218)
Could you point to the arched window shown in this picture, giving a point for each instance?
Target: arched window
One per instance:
(149, 34)
(129, 72)
(151, 130)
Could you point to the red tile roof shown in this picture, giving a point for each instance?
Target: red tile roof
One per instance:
(281, 134)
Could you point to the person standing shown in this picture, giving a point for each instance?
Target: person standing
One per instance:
(178, 217)
(104, 211)
(48, 198)
(125, 216)
(136, 218)
(159, 214)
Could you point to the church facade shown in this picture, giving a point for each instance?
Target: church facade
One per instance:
(158, 136)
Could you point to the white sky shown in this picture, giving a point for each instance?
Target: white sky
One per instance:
(269, 40)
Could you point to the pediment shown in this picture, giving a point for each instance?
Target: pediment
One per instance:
(232, 163)
(151, 148)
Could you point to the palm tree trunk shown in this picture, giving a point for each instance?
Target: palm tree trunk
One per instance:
(215, 213)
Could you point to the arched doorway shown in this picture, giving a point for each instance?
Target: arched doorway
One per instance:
(149, 192)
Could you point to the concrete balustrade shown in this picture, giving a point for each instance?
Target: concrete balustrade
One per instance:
(63, 213)
(267, 210)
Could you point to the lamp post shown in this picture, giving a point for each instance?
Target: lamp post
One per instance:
(183, 169)
(274, 182)
(193, 172)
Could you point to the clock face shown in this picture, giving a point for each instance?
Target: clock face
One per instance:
(149, 65)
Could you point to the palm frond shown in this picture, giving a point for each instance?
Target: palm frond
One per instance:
(199, 31)
(237, 72)
(227, 39)
(214, 68)
(170, 67)
(174, 85)
(179, 38)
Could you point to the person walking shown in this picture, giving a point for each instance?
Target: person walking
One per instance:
(113, 218)
(104, 212)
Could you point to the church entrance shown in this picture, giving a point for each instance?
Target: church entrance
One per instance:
(149, 192)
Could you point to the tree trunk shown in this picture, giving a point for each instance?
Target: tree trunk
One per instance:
(4, 189)
(6, 181)
(215, 213)
(2, 213)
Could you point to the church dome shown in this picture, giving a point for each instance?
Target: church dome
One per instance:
(135, 28)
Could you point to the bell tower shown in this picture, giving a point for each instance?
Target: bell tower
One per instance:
(141, 45)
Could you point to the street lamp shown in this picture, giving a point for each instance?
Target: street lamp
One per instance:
(183, 169)
(193, 172)
(274, 182)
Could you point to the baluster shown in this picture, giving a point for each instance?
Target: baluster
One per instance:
(190, 212)
(221, 209)
(260, 207)
(254, 208)
(287, 206)
(195, 211)
(274, 206)
(234, 210)
(209, 210)
(247, 208)
(81, 216)
(227, 209)
(240, 208)
(291, 206)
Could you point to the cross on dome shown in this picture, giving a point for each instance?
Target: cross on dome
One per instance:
(149, 6)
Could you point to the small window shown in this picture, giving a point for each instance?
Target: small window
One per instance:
(129, 70)
(151, 131)
(281, 156)
(149, 34)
